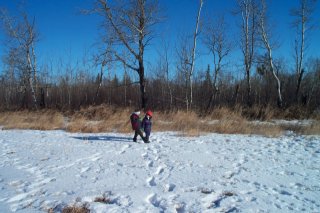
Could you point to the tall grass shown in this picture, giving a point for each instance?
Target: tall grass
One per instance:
(221, 120)
(41, 120)
(100, 119)
(106, 118)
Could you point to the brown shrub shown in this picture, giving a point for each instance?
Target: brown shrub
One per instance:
(103, 199)
(295, 112)
(224, 113)
(100, 119)
(76, 209)
(177, 121)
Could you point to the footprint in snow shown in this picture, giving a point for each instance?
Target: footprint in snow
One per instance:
(160, 169)
(169, 187)
(214, 200)
(151, 181)
(149, 163)
(123, 150)
(16, 183)
(84, 169)
(156, 201)
(144, 155)
(147, 148)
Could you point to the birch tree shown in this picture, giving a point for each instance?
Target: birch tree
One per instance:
(186, 57)
(22, 38)
(129, 26)
(163, 67)
(302, 24)
(265, 34)
(248, 39)
(216, 40)
(195, 36)
(183, 66)
(103, 60)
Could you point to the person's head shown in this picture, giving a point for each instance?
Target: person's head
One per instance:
(149, 114)
(137, 111)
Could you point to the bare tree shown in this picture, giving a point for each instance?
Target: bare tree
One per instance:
(302, 24)
(129, 26)
(164, 71)
(248, 39)
(217, 42)
(183, 66)
(313, 81)
(103, 60)
(10, 79)
(23, 37)
(195, 36)
(186, 57)
(265, 34)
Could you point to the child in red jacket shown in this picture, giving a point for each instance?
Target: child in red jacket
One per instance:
(147, 124)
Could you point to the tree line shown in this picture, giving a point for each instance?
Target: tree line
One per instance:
(129, 27)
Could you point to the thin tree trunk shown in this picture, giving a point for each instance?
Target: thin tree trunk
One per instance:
(142, 83)
(276, 78)
(100, 82)
(168, 82)
(34, 69)
(125, 85)
(195, 35)
(266, 42)
(30, 81)
(304, 12)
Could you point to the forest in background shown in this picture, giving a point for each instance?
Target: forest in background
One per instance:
(268, 82)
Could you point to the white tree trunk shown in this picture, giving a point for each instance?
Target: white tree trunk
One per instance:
(195, 35)
(266, 43)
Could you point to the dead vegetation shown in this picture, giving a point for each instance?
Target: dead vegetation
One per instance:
(221, 120)
(100, 119)
(104, 200)
(76, 209)
(40, 120)
(105, 118)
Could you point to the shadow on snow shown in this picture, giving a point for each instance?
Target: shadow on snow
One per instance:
(104, 138)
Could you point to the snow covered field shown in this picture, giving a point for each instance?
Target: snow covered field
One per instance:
(40, 170)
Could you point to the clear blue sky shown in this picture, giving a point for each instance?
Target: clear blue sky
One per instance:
(66, 34)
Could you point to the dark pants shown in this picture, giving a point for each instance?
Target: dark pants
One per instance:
(147, 136)
(136, 133)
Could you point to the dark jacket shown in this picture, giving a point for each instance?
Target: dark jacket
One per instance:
(146, 125)
(135, 121)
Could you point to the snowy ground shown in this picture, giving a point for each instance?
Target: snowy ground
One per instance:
(40, 170)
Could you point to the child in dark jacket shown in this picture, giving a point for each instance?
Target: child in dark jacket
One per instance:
(147, 124)
(136, 125)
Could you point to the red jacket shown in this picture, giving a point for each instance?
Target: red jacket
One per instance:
(135, 121)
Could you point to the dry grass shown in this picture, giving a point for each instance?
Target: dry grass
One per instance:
(76, 209)
(100, 119)
(313, 129)
(105, 118)
(71, 209)
(225, 122)
(260, 112)
(41, 120)
(103, 199)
